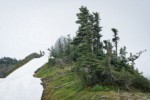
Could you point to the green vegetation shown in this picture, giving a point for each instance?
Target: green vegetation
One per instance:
(97, 64)
(8, 65)
(64, 84)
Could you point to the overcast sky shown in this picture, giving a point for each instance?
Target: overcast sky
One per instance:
(27, 26)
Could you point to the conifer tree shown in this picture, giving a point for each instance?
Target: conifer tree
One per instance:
(97, 45)
(115, 40)
(53, 52)
(108, 46)
(123, 53)
(68, 46)
(83, 39)
(60, 48)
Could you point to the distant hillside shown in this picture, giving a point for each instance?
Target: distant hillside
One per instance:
(8, 65)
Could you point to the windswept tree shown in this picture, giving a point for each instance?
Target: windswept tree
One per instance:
(83, 42)
(60, 47)
(67, 46)
(88, 35)
(115, 40)
(53, 52)
(97, 44)
(132, 57)
(123, 54)
(108, 47)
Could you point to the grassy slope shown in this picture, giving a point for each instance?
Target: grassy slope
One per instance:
(63, 84)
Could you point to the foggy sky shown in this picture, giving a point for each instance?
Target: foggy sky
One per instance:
(27, 26)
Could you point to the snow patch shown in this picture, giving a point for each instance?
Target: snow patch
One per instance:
(21, 85)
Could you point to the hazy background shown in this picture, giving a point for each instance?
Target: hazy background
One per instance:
(27, 26)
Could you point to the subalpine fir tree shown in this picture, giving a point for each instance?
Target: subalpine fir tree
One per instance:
(60, 48)
(67, 42)
(108, 47)
(88, 35)
(83, 39)
(97, 44)
(123, 53)
(115, 40)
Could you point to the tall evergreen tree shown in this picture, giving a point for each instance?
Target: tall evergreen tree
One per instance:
(108, 47)
(83, 39)
(68, 46)
(123, 53)
(115, 40)
(88, 35)
(53, 52)
(97, 45)
(60, 48)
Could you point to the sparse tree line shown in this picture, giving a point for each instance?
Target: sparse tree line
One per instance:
(6, 63)
(8, 60)
(98, 61)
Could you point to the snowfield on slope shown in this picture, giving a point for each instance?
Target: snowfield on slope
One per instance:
(21, 85)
